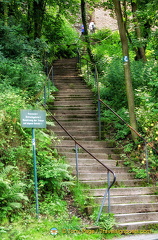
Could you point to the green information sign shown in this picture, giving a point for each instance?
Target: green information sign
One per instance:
(33, 118)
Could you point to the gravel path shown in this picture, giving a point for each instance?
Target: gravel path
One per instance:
(153, 236)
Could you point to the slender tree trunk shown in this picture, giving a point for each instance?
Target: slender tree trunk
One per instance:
(127, 72)
(5, 6)
(140, 50)
(84, 21)
(30, 19)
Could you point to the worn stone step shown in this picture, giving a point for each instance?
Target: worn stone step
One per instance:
(78, 138)
(72, 108)
(130, 199)
(67, 95)
(75, 103)
(136, 217)
(77, 134)
(137, 225)
(92, 150)
(96, 167)
(85, 156)
(58, 129)
(74, 93)
(90, 107)
(119, 183)
(75, 114)
(124, 191)
(86, 144)
(71, 84)
(133, 208)
(103, 176)
(87, 162)
(74, 127)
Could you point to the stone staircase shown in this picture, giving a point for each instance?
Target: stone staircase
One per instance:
(75, 108)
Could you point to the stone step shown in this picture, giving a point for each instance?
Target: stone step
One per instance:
(75, 103)
(74, 98)
(124, 191)
(74, 115)
(96, 167)
(78, 95)
(77, 107)
(92, 150)
(87, 162)
(71, 84)
(133, 208)
(75, 123)
(86, 144)
(119, 183)
(130, 199)
(74, 93)
(77, 134)
(137, 225)
(62, 88)
(136, 217)
(68, 79)
(103, 176)
(74, 128)
(78, 138)
(85, 157)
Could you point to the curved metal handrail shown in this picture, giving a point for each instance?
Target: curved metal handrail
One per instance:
(107, 168)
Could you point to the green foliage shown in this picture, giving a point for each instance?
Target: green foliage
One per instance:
(15, 45)
(23, 73)
(12, 196)
(61, 35)
(106, 221)
(139, 173)
(113, 124)
(128, 148)
(54, 205)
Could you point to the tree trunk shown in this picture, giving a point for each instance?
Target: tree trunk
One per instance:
(84, 21)
(5, 6)
(30, 19)
(38, 10)
(127, 72)
(140, 50)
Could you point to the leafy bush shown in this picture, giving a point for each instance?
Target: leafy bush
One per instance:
(12, 196)
(106, 221)
(61, 36)
(23, 73)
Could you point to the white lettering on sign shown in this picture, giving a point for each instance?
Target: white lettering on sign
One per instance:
(33, 118)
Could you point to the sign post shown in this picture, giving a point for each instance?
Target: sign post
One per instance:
(34, 119)
(35, 171)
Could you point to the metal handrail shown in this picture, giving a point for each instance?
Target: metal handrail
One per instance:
(107, 192)
(146, 143)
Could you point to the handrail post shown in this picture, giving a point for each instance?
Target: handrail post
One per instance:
(147, 162)
(104, 198)
(88, 70)
(76, 152)
(45, 95)
(52, 76)
(99, 119)
(99, 105)
(109, 206)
